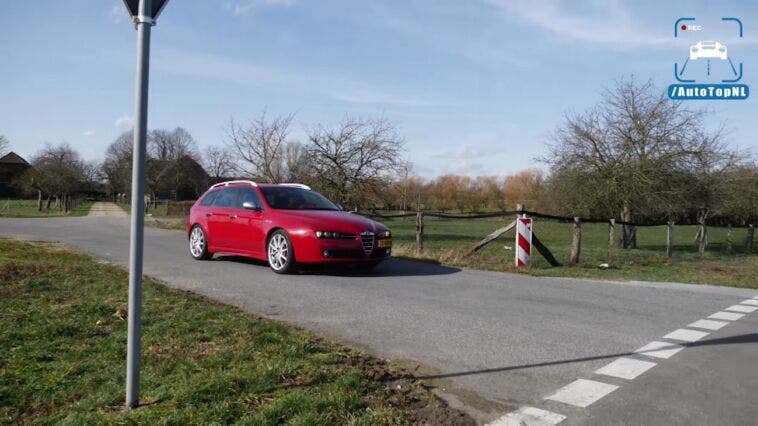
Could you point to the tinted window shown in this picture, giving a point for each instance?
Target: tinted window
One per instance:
(226, 197)
(208, 199)
(290, 198)
(247, 195)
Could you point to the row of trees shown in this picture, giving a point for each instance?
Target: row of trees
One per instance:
(172, 167)
(636, 156)
(58, 172)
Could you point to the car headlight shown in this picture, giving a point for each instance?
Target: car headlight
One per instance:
(384, 234)
(331, 234)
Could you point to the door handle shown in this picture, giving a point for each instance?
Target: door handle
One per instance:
(232, 216)
(208, 214)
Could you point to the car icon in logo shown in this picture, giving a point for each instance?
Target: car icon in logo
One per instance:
(708, 49)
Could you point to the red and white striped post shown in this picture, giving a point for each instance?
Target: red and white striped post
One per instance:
(523, 241)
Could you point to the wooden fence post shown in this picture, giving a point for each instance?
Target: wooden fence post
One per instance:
(576, 244)
(749, 239)
(420, 232)
(670, 239)
(729, 244)
(611, 239)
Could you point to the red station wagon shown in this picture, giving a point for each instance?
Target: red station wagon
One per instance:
(284, 224)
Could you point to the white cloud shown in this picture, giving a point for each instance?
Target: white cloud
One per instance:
(606, 22)
(244, 7)
(88, 133)
(249, 74)
(468, 152)
(118, 13)
(124, 122)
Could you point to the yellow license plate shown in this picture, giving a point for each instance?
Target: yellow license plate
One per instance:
(385, 243)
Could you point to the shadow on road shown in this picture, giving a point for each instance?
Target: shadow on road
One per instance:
(388, 268)
(742, 338)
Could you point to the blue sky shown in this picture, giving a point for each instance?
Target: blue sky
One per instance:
(476, 87)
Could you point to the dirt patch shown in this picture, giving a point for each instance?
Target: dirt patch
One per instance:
(403, 390)
(13, 271)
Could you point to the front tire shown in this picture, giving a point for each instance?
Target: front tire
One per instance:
(198, 244)
(281, 256)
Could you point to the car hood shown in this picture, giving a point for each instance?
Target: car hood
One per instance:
(339, 221)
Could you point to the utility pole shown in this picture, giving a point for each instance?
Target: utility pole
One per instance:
(143, 13)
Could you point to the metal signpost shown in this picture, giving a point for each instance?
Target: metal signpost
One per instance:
(143, 14)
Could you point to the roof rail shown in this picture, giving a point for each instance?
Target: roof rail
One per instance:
(296, 185)
(234, 181)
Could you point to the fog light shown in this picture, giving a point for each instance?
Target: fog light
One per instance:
(326, 253)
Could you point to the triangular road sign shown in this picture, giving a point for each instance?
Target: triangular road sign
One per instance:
(156, 7)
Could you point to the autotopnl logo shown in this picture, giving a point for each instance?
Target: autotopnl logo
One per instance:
(709, 69)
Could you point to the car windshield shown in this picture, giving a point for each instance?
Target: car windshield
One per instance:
(291, 198)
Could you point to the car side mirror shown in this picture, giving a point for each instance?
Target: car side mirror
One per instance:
(247, 205)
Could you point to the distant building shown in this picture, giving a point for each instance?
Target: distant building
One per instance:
(12, 166)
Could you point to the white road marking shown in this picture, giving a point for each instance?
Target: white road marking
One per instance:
(529, 416)
(657, 349)
(729, 316)
(752, 302)
(626, 368)
(742, 308)
(686, 335)
(582, 393)
(708, 324)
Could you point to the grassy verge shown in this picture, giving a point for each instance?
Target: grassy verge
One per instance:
(157, 211)
(63, 342)
(447, 241)
(159, 219)
(28, 208)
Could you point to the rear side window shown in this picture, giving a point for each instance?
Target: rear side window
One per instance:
(226, 197)
(208, 199)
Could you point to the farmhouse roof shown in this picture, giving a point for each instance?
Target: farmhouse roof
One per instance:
(13, 158)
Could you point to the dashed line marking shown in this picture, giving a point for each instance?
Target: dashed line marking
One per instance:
(742, 308)
(664, 350)
(752, 302)
(581, 392)
(529, 416)
(729, 316)
(626, 368)
(708, 324)
(686, 335)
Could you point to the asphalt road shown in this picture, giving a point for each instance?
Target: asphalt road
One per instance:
(492, 342)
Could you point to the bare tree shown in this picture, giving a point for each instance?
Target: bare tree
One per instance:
(57, 170)
(260, 146)
(5, 146)
(623, 158)
(117, 166)
(218, 162)
(171, 145)
(353, 161)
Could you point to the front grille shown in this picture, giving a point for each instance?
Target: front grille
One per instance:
(367, 239)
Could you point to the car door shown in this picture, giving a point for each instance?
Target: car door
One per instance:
(245, 225)
(220, 236)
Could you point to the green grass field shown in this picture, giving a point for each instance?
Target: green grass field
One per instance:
(28, 208)
(447, 241)
(63, 346)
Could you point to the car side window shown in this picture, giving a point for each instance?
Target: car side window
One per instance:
(247, 195)
(208, 199)
(226, 197)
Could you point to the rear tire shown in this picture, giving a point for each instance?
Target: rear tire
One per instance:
(198, 244)
(281, 255)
